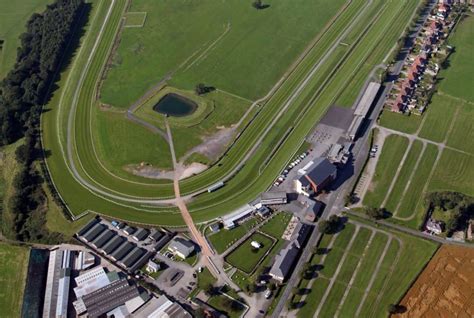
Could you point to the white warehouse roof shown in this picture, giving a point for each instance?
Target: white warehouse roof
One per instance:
(364, 103)
(238, 214)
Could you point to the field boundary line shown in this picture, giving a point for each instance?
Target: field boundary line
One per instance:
(397, 173)
(203, 54)
(425, 187)
(451, 125)
(412, 175)
(354, 274)
(429, 141)
(389, 276)
(374, 275)
(145, 15)
(336, 273)
(323, 258)
(465, 101)
(234, 95)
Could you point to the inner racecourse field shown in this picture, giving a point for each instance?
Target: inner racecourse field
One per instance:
(91, 179)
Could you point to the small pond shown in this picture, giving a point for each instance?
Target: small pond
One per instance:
(175, 105)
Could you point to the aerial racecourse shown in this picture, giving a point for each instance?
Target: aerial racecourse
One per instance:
(218, 93)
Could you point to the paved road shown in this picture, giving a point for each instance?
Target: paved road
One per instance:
(410, 231)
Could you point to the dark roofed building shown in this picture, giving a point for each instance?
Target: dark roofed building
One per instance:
(87, 227)
(156, 235)
(121, 225)
(283, 263)
(140, 262)
(273, 198)
(162, 242)
(104, 238)
(129, 230)
(263, 211)
(113, 244)
(319, 176)
(95, 231)
(301, 234)
(122, 251)
(109, 297)
(140, 234)
(133, 256)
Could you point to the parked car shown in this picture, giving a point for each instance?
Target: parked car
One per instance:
(268, 294)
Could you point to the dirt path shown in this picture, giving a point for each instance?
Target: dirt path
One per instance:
(336, 273)
(213, 262)
(178, 170)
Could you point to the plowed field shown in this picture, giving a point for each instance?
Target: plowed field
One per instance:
(445, 288)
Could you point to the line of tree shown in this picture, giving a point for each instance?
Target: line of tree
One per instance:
(22, 94)
(25, 87)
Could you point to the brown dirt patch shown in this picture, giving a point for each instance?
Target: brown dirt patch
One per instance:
(213, 145)
(445, 288)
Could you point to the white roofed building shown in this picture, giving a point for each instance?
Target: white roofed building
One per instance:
(161, 307)
(231, 219)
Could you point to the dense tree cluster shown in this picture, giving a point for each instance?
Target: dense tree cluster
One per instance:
(461, 207)
(376, 213)
(24, 89)
(331, 226)
(22, 93)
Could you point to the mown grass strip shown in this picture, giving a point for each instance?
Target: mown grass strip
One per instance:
(392, 153)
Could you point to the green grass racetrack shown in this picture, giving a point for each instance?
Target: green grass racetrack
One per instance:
(327, 73)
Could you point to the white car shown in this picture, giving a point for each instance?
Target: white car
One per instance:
(268, 294)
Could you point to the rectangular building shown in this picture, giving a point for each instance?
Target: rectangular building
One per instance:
(122, 251)
(317, 178)
(103, 238)
(230, 219)
(181, 247)
(113, 244)
(273, 198)
(283, 263)
(57, 284)
(94, 232)
(140, 234)
(109, 297)
(363, 106)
